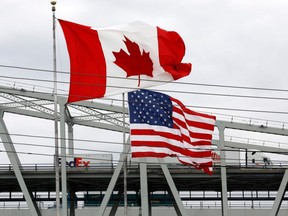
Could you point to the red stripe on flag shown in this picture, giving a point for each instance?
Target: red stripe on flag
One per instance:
(168, 135)
(192, 134)
(149, 154)
(181, 150)
(153, 132)
(196, 124)
(191, 112)
(87, 62)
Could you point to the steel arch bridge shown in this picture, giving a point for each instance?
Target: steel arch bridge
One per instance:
(143, 177)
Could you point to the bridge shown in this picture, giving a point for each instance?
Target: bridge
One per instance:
(176, 188)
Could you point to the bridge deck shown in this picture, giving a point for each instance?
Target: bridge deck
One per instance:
(42, 179)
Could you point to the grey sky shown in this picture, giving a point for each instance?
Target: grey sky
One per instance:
(238, 43)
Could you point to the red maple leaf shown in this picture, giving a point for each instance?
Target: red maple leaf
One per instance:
(135, 63)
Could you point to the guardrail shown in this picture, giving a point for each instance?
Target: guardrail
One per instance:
(51, 167)
(195, 205)
(109, 167)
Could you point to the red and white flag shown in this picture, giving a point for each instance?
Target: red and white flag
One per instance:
(162, 126)
(114, 60)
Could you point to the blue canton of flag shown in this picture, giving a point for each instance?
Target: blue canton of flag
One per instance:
(151, 108)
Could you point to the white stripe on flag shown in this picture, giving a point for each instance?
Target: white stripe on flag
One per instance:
(160, 150)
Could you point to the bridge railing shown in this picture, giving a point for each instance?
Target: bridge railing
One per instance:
(195, 205)
(135, 166)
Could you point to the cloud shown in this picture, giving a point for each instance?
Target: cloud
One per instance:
(238, 43)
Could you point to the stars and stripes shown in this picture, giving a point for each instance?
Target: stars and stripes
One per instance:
(162, 126)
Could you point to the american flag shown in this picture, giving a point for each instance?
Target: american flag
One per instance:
(162, 126)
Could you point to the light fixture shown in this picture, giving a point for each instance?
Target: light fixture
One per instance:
(53, 2)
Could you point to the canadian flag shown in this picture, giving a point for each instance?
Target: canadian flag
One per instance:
(110, 61)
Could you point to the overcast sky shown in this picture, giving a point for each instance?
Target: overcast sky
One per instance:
(235, 43)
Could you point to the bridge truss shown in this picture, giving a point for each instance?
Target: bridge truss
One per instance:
(115, 118)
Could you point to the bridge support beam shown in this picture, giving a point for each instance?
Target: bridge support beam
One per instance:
(116, 203)
(280, 195)
(63, 161)
(224, 199)
(179, 207)
(113, 180)
(16, 164)
(70, 139)
(144, 189)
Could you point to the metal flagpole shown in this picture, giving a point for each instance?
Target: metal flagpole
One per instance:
(125, 159)
(56, 158)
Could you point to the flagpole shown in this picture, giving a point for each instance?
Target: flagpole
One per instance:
(125, 158)
(56, 158)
